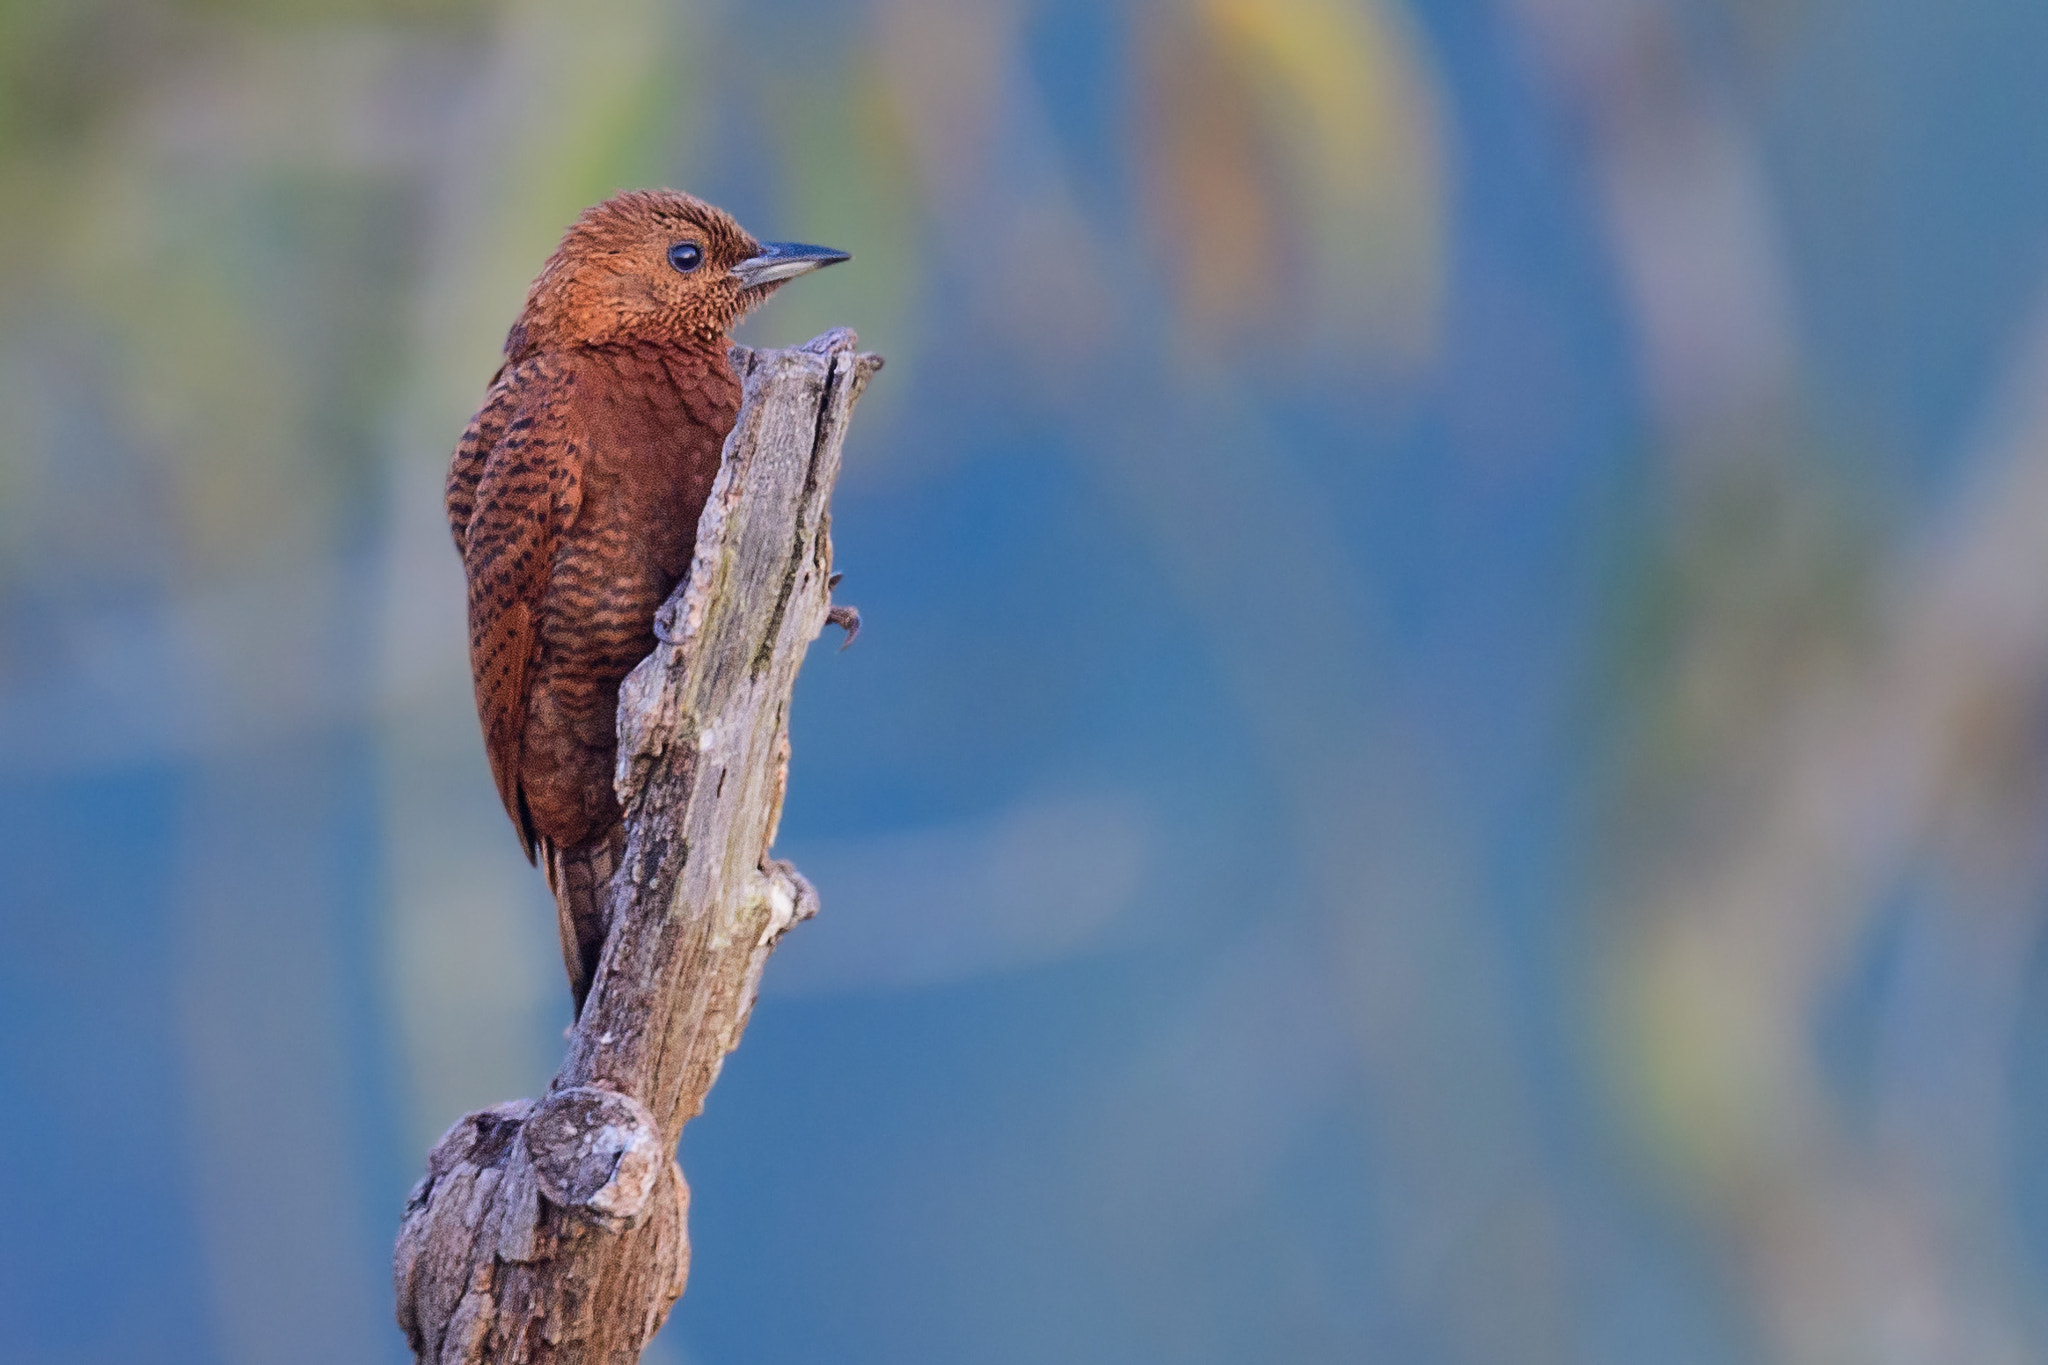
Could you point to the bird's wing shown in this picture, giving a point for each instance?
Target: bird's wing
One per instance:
(525, 497)
(478, 440)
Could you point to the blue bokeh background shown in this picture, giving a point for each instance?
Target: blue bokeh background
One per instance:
(1447, 763)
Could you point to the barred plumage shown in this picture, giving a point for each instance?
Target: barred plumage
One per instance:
(573, 498)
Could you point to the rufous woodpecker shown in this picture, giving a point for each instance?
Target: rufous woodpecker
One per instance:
(574, 498)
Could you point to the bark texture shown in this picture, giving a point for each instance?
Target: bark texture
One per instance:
(555, 1231)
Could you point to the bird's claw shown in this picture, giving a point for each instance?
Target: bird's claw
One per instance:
(847, 619)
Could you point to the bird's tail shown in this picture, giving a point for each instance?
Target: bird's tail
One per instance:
(580, 876)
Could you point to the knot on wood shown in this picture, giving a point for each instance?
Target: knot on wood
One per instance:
(513, 1190)
(596, 1153)
(790, 899)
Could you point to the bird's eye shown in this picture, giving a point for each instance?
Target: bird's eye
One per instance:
(686, 256)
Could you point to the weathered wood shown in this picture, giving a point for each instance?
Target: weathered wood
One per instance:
(555, 1232)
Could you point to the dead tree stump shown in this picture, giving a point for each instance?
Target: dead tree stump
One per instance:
(554, 1232)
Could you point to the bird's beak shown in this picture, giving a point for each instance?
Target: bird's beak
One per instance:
(780, 261)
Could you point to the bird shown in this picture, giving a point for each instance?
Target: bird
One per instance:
(573, 496)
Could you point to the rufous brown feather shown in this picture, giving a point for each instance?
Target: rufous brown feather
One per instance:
(573, 497)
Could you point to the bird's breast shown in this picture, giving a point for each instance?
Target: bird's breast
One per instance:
(656, 441)
(652, 430)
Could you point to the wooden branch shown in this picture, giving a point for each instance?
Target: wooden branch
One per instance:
(554, 1232)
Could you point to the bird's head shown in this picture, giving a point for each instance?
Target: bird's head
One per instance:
(656, 266)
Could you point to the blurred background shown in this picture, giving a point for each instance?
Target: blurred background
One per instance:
(1449, 761)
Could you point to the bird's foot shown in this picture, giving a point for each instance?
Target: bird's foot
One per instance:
(847, 619)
